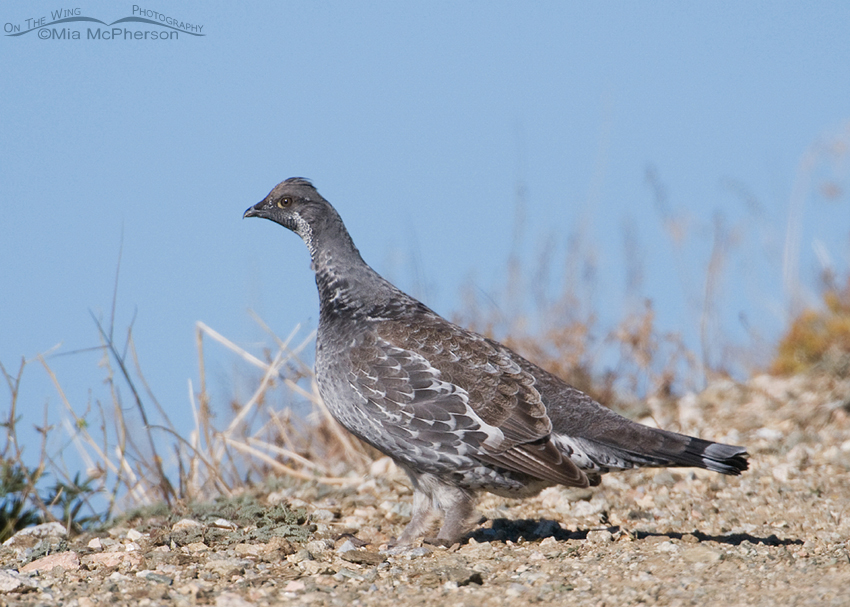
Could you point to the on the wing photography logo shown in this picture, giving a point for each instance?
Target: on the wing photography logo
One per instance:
(72, 24)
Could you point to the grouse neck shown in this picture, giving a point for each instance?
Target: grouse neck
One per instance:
(346, 283)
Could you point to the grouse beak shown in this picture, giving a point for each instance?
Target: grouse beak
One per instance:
(255, 211)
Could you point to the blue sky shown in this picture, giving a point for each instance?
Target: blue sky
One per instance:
(419, 122)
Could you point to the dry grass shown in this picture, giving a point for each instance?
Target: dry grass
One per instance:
(818, 337)
(130, 464)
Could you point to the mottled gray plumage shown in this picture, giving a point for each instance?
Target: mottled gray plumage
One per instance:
(459, 412)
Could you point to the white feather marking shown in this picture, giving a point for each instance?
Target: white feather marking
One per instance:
(305, 231)
(441, 389)
(587, 456)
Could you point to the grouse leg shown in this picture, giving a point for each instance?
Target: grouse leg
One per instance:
(423, 520)
(458, 506)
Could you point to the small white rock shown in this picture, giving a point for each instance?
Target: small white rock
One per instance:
(277, 497)
(769, 434)
(195, 548)
(701, 554)
(347, 546)
(549, 542)
(294, 586)
(782, 472)
(590, 508)
(185, 523)
(12, 580)
(417, 552)
(322, 514)
(299, 557)
(383, 467)
(317, 547)
(231, 599)
(600, 537)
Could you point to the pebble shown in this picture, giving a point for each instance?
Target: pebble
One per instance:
(701, 554)
(68, 561)
(353, 522)
(322, 515)
(515, 590)
(154, 576)
(277, 497)
(769, 434)
(347, 546)
(345, 573)
(45, 530)
(130, 560)
(461, 576)
(185, 524)
(600, 537)
(318, 547)
(226, 568)
(300, 556)
(118, 531)
(248, 549)
(231, 599)
(664, 478)
(549, 542)
(782, 472)
(12, 580)
(408, 553)
(383, 467)
(295, 586)
(313, 567)
(363, 557)
(277, 547)
(587, 508)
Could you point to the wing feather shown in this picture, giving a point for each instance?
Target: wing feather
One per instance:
(448, 394)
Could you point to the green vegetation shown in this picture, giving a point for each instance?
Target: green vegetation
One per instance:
(16, 512)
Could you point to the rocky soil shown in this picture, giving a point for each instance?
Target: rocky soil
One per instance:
(778, 535)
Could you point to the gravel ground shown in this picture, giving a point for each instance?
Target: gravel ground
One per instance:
(778, 535)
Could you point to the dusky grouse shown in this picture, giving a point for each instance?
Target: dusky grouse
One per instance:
(457, 411)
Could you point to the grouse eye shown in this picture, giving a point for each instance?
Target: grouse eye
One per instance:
(284, 202)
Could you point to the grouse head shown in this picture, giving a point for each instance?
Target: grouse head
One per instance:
(295, 204)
